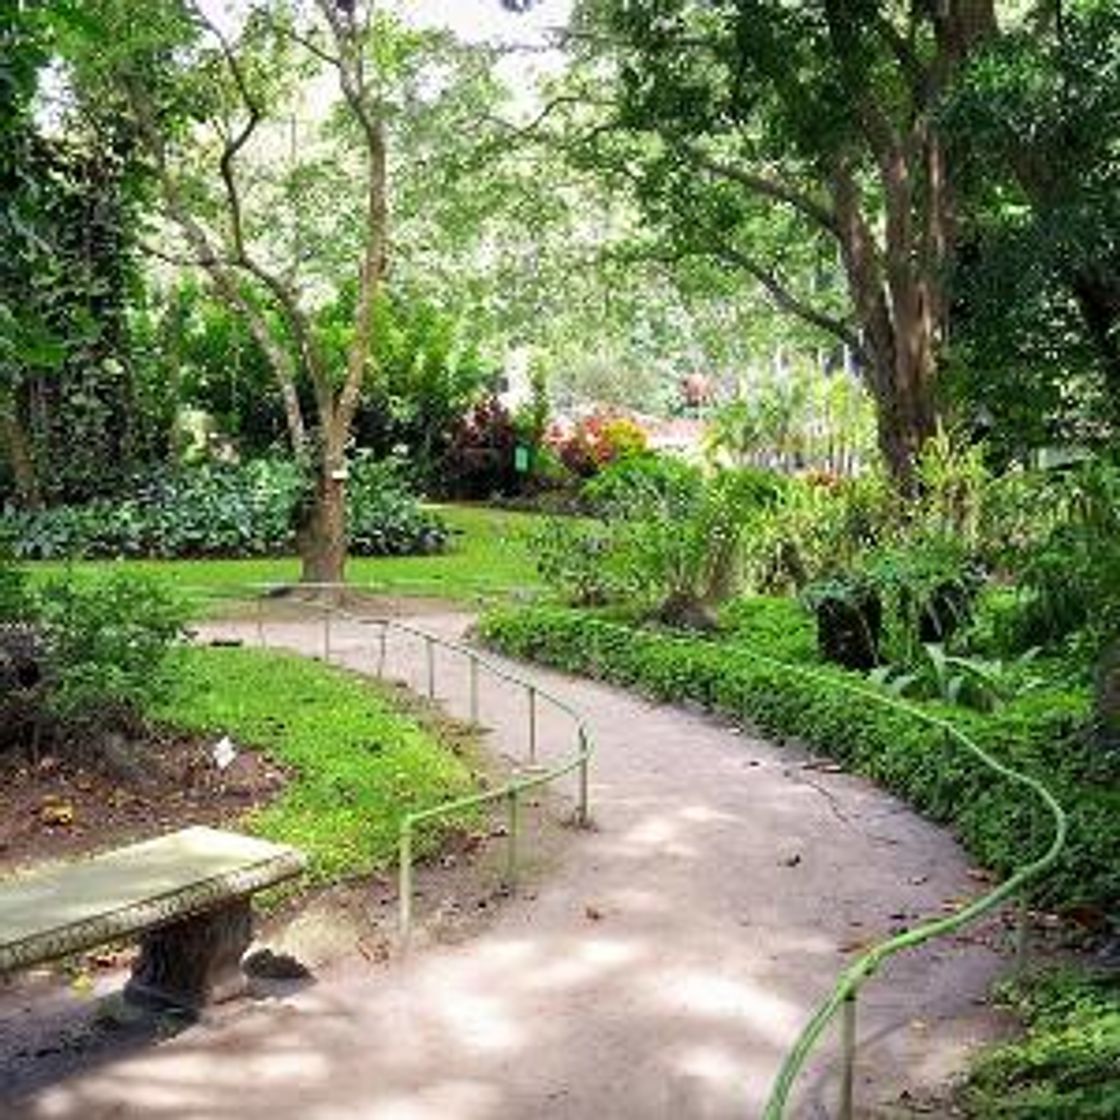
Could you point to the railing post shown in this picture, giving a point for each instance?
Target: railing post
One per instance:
(404, 885)
(511, 848)
(430, 648)
(382, 642)
(582, 817)
(473, 661)
(1022, 933)
(848, 1057)
(532, 722)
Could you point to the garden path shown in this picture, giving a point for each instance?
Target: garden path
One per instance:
(660, 968)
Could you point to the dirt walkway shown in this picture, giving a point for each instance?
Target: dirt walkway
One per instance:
(660, 969)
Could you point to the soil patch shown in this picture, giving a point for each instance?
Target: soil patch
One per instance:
(72, 803)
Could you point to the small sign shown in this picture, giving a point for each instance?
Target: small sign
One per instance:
(521, 459)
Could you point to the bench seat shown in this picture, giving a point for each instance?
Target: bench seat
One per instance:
(186, 893)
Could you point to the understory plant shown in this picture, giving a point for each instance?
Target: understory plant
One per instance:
(677, 533)
(1066, 1064)
(972, 682)
(79, 657)
(229, 510)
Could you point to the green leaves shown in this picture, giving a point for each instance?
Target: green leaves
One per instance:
(224, 510)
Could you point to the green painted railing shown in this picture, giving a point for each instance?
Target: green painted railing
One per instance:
(842, 999)
(513, 791)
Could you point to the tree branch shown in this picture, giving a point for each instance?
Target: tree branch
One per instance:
(786, 300)
(764, 185)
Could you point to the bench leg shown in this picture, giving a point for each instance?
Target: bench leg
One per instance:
(194, 962)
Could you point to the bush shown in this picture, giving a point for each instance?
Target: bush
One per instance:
(670, 538)
(599, 440)
(571, 557)
(82, 656)
(480, 461)
(106, 642)
(1066, 1065)
(223, 510)
(1038, 733)
(384, 519)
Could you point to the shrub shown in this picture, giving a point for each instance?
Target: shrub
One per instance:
(675, 536)
(223, 510)
(571, 557)
(384, 519)
(1066, 1064)
(479, 462)
(106, 642)
(599, 440)
(1070, 577)
(1038, 733)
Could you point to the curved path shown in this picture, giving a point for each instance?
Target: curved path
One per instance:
(660, 969)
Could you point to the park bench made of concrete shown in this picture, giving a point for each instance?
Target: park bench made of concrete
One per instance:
(187, 894)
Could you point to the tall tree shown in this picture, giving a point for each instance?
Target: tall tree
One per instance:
(68, 193)
(210, 108)
(1039, 107)
(752, 127)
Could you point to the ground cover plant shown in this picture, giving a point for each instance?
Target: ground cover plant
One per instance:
(357, 764)
(1061, 1066)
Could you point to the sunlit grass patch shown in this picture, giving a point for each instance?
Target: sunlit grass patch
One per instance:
(358, 764)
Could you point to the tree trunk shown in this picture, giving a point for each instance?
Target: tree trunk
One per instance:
(1098, 298)
(322, 537)
(14, 439)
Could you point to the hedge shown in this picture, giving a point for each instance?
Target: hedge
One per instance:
(998, 822)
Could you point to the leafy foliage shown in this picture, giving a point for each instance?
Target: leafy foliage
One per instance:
(973, 682)
(1066, 1064)
(223, 510)
(480, 461)
(669, 537)
(107, 643)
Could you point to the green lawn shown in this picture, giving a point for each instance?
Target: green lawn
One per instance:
(358, 763)
(486, 559)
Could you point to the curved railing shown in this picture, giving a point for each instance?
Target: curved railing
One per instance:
(842, 998)
(512, 792)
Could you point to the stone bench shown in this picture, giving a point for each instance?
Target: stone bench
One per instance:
(187, 895)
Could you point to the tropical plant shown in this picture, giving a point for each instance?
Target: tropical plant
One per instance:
(934, 674)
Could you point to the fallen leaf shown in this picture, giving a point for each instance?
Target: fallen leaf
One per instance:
(53, 813)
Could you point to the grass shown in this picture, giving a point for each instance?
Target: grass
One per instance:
(358, 765)
(487, 559)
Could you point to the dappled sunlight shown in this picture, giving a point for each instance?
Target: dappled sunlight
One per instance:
(661, 971)
(583, 964)
(715, 995)
(463, 1100)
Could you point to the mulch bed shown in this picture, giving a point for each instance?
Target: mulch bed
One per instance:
(70, 803)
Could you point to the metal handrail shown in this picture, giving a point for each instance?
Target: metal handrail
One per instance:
(845, 992)
(511, 792)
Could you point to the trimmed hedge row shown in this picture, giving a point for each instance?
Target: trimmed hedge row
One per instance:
(998, 821)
